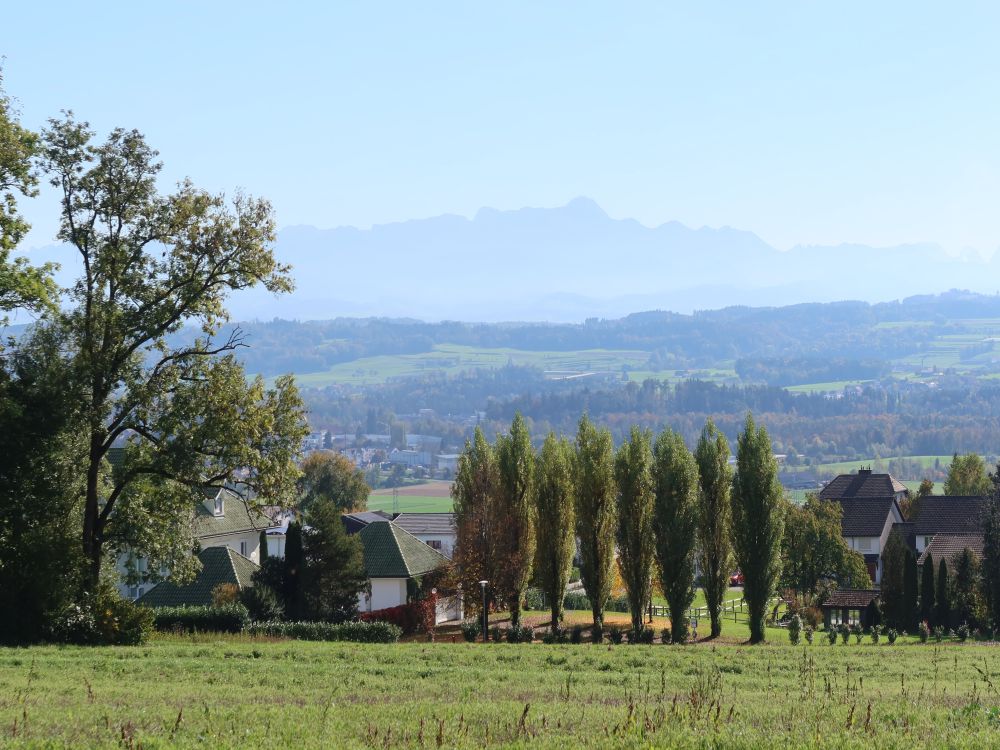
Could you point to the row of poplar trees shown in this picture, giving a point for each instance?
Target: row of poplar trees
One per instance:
(653, 508)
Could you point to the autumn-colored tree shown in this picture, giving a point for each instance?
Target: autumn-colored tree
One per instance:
(332, 477)
(515, 521)
(474, 495)
(967, 475)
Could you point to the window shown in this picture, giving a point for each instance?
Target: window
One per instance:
(434, 544)
(927, 541)
(218, 505)
(865, 543)
(243, 549)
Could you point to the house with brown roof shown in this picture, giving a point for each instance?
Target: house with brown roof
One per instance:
(436, 530)
(950, 515)
(850, 607)
(869, 510)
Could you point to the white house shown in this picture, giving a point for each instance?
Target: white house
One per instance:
(222, 519)
(437, 530)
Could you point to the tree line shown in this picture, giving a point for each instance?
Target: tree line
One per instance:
(652, 510)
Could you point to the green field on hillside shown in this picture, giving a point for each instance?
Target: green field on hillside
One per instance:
(411, 503)
(234, 692)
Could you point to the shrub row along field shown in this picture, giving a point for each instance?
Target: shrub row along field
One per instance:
(242, 692)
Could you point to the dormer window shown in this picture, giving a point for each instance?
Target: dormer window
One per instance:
(218, 505)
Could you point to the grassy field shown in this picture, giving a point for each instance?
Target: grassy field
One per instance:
(429, 497)
(240, 693)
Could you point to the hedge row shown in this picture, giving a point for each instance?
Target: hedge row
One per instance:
(358, 632)
(229, 618)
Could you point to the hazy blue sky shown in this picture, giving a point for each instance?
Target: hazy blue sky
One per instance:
(804, 122)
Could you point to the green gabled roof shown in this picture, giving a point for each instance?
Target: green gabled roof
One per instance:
(218, 565)
(236, 516)
(391, 552)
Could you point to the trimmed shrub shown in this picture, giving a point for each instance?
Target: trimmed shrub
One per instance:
(357, 632)
(924, 632)
(963, 632)
(808, 632)
(831, 635)
(665, 636)
(410, 618)
(470, 630)
(891, 635)
(533, 599)
(876, 632)
(794, 629)
(615, 635)
(576, 634)
(520, 634)
(845, 632)
(939, 633)
(231, 618)
(647, 636)
(858, 632)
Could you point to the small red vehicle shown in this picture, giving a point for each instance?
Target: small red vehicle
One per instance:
(736, 579)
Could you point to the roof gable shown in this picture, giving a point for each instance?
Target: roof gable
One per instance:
(218, 565)
(426, 523)
(237, 518)
(865, 517)
(949, 546)
(850, 598)
(392, 552)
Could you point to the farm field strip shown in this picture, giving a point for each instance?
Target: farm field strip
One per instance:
(209, 691)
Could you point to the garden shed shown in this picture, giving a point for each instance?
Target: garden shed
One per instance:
(851, 607)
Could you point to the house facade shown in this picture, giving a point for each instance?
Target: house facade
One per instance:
(436, 530)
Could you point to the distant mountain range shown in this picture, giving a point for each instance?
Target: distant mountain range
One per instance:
(575, 262)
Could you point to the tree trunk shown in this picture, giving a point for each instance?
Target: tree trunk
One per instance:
(556, 611)
(758, 611)
(598, 612)
(715, 614)
(515, 610)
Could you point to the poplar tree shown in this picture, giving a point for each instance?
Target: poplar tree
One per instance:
(893, 584)
(911, 592)
(991, 549)
(636, 543)
(515, 522)
(596, 514)
(474, 497)
(675, 525)
(942, 610)
(757, 522)
(927, 590)
(554, 498)
(714, 520)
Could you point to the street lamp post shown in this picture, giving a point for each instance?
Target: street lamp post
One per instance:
(486, 614)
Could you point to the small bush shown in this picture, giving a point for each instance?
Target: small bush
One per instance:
(808, 632)
(939, 632)
(496, 634)
(576, 634)
(520, 634)
(533, 599)
(794, 629)
(831, 635)
(924, 632)
(845, 632)
(104, 618)
(576, 600)
(262, 603)
(963, 632)
(574, 574)
(470, 630)
(891, 635)
(665, 636)
(812, 616)
(615, 635)
(225, 593)
(876, 632)
(357, 632)
(231, 618)
(647, 636)
(858, 632)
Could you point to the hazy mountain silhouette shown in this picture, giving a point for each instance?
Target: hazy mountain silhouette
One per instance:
(573, 262)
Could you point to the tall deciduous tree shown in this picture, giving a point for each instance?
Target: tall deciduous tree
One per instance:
(474, 495)
(151, 265)
(515, 515)
(758, 522)
(675, 525)
(21, 285)
(813, 548)
(927, 590)
(967, 475)
(554, 498)
(714, 520)
(636, 543)
(333, 477)
(596, 514)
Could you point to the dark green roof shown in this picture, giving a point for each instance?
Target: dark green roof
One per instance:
(391, 552)
(218, 565)
(236, 518)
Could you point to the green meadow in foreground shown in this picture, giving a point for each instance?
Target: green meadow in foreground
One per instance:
(238, 692)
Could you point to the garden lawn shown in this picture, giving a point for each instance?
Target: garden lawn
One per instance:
(237, 692)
